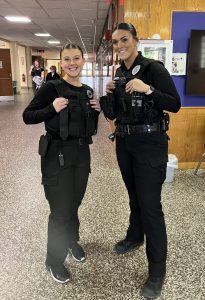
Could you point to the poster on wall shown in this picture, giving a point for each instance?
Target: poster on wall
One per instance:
(179, 64)
(158, 49)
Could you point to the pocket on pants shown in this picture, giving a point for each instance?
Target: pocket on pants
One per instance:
(50, 180)
(49, 184)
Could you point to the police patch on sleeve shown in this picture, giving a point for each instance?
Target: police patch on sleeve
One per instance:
(90, 94)
(135, 70)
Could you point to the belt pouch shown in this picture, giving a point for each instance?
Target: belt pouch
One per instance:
(43, 145)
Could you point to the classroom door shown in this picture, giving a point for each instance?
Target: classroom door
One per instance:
(6, 89)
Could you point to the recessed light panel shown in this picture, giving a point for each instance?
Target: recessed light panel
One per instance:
(18, 19)
(42, 34)
(53, 42)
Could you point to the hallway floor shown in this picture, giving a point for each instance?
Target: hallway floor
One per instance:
(104, 219)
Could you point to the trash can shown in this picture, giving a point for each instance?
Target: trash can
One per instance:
(14, 86)
(172, 164)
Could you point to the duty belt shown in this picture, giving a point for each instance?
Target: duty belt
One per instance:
(135, 129)
(71, 140)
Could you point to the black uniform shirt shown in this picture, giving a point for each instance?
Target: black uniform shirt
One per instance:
(153, 148)
(41, 108)
(53, 76)
(37, 72)
(165, 95)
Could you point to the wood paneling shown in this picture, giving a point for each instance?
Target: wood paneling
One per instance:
(187, 135)
(154, 16)
(187, 127)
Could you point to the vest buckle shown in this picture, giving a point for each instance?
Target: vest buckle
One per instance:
(128, 129)
(148, 129)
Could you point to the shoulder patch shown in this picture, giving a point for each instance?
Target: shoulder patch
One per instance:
(89, 94)
(136, 69)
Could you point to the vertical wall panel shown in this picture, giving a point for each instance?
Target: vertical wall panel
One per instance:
(154, 16)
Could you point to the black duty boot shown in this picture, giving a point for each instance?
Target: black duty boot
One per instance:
(152, 287)
(126, 246)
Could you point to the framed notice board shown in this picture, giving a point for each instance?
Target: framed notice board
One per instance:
(182, 24)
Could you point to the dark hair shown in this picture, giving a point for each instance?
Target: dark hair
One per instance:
(127, 26)
(72, 46)
(36, 60)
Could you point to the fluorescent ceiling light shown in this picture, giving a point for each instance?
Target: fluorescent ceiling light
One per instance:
(18, 19)
(53, 42)
(42, 34)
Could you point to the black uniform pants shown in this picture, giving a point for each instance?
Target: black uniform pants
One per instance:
(64, 189)
(144, 182)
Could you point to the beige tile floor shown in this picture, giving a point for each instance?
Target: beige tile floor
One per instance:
(104, 218)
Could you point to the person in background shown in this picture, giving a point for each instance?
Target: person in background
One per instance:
(52, 75)
(70, 114)
(37, 73)
(136, 99)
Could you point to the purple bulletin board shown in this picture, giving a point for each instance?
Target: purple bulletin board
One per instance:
(182, 24)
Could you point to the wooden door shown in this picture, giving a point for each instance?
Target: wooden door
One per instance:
(6, 88)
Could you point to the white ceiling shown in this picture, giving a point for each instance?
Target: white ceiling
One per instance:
(77, 21)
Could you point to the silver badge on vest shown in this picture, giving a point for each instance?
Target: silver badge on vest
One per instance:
(90, 94)
(136, 69)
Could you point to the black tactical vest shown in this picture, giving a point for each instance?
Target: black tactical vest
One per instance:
(136, 107)
(82, 119)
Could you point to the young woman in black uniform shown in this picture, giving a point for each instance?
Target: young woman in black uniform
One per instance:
(70, 114)
(141, 91)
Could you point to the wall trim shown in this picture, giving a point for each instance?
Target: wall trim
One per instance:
(6, 98)
(190, 165)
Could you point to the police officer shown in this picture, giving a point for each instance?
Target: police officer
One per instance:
(70, 114)
(136, 99)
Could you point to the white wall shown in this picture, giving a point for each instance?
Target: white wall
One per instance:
(53, 62)
(15, 65)
(22, 65)
(47, 54)
(4, 45)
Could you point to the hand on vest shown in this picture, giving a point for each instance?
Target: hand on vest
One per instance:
(110, 86)
(60, 103)
(95, 104)
(136, 85)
